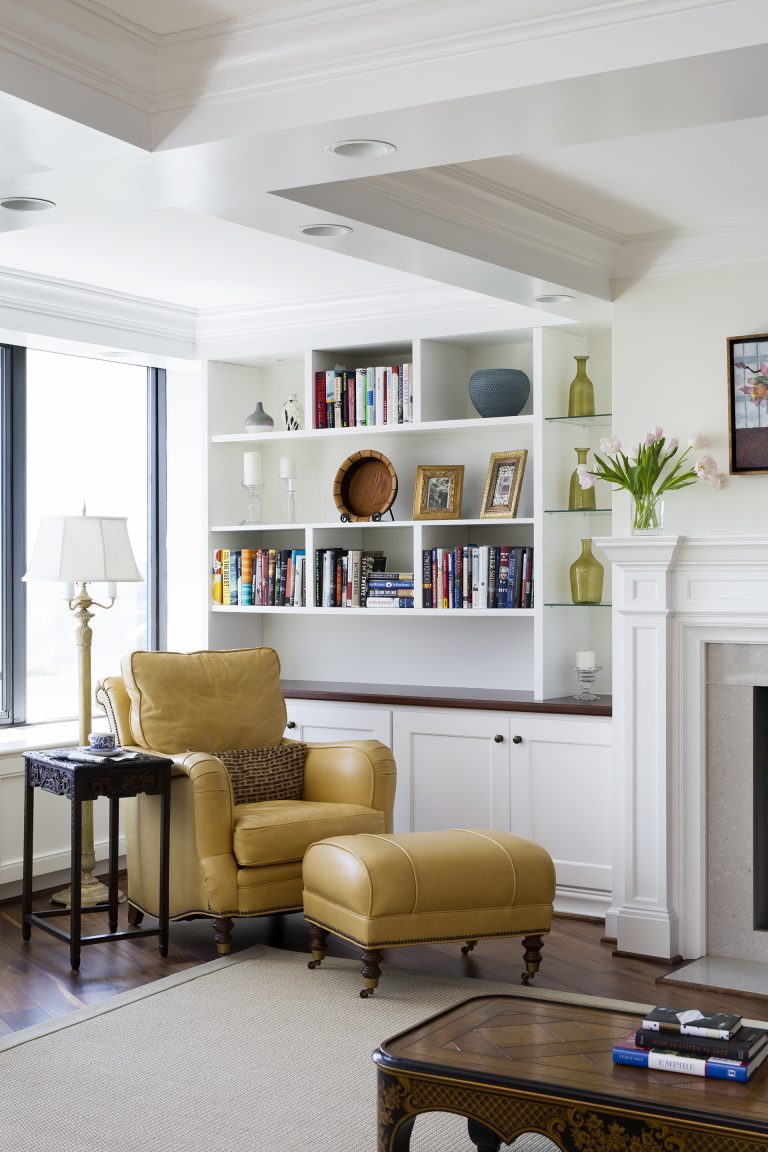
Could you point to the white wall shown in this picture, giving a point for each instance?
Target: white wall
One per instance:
(187, 511)
(670, 368)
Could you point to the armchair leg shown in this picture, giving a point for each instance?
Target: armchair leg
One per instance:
(222, 932)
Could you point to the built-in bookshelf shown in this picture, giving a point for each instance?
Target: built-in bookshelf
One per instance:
(527, 646)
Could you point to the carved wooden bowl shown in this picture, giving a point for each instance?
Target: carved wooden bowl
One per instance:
(365, 486)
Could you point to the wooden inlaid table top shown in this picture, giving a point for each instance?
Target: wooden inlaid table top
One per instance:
(514, 1064)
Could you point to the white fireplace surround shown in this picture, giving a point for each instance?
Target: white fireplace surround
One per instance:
(672, 596)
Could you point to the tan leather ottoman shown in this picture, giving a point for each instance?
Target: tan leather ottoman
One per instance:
(387, 891)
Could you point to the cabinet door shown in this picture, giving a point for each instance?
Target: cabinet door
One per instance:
(561, 797)
(324, 721)
(452, 770)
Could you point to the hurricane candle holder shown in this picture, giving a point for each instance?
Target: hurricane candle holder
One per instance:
(586, 678)
(254, 514)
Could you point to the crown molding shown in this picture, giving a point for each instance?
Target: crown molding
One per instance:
(486, 207)
(290, 46)
(693, 249)
(37, 305)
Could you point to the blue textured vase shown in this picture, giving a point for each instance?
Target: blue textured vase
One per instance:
(499, 391)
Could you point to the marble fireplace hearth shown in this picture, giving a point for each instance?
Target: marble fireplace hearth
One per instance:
(690, 628)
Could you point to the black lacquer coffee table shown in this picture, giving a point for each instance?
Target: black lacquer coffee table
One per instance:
(514, 1064)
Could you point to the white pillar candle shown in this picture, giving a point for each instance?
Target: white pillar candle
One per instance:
(251, 468)
(585, 659)
(112, 590)
(287, 468)
(69, 590)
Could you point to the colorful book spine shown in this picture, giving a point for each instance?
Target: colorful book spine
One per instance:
(319, 399)
(245, 581)
(216, 579)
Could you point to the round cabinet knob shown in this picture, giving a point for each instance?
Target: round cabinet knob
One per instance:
(498, 738)
(291, 724)
(517, 739)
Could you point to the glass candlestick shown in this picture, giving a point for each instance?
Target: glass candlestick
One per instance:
(254, 514)
(586, 678)
(291, 492)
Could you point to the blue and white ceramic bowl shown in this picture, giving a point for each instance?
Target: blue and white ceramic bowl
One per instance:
(101, 741)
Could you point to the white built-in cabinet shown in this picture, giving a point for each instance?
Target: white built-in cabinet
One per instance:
(541, 775)
(530, 650)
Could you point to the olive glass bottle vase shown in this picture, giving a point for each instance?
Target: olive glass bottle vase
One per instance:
(587, 575)
(581, 395)
(580, 499)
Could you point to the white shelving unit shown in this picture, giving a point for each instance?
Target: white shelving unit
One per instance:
(516, 649)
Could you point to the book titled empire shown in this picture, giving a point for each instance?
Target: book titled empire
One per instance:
(667, 1060)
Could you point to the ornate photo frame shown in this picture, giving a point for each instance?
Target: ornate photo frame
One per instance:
(437, 495)
(501, 494)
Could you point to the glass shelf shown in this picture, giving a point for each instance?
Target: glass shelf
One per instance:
(578, 511)
(570, 604)
(599, 420)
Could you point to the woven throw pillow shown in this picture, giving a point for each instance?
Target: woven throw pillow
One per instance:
(265, 773)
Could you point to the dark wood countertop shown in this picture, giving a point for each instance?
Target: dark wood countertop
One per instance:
(421, 696)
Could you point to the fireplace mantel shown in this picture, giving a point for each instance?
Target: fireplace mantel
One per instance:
(672, 596)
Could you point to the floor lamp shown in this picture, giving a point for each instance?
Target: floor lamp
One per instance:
(76, 550)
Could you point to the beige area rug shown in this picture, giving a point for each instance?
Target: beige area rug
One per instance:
(251, 1052)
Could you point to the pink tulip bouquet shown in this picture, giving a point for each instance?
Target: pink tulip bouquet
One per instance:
(653, 468)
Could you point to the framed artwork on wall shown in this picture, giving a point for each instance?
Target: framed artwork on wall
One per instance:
(748, 403)
(501, 494)
(437, 495)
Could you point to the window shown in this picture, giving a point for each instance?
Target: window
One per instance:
(86, 432)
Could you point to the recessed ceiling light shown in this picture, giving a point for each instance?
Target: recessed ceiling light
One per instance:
(326, 230)
(554, 298)
(360, 148)
(26, 204)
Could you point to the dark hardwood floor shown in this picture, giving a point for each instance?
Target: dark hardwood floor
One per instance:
(37, 983)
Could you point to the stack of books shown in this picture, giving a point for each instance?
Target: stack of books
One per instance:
(712, 1044)
(390, 590)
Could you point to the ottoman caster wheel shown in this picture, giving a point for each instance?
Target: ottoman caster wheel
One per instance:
(468, 947)
(314, 964)
(365, 993)
(526, 977)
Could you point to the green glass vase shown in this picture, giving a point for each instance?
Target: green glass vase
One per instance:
(581, 396)
(580, 499)
(586, 577)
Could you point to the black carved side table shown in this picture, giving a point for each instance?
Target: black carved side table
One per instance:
(79, 780)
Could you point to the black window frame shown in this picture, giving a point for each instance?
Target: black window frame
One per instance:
(13, 470)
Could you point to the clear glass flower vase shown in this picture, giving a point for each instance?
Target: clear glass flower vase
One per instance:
(648, 515)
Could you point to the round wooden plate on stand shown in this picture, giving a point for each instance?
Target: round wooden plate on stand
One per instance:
(365, 486)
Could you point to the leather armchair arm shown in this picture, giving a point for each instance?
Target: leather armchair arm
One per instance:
(353, 772)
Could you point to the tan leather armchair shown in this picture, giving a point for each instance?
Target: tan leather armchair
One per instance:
(229, 860)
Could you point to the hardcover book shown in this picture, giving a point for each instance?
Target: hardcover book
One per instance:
(743, 1045)
(664, 1060)
(692, 1022)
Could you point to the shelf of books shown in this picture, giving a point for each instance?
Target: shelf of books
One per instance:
(478, 578)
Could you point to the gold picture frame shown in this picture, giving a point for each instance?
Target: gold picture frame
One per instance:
(437, 495)
(501, 494)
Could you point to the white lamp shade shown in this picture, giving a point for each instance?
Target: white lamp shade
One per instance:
(82, 549)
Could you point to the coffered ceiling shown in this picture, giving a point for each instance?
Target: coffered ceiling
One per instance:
(542, 146)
